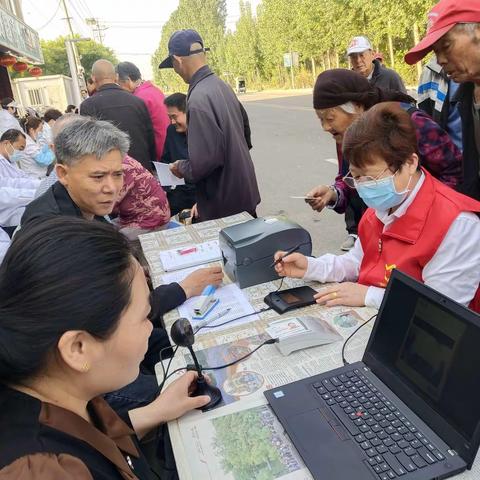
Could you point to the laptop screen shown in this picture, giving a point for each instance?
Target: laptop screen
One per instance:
(430, 345)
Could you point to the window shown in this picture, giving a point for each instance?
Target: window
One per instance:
(35, 96)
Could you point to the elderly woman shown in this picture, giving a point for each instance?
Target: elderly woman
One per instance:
(339, 97)
(413, 223)
(73, 327)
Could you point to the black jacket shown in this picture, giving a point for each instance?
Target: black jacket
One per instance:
(219, 161)
(471, 158)
(386, 78)
(129, 113)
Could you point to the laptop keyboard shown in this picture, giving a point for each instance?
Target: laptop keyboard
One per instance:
(393, 446)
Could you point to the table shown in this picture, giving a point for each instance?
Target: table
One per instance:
(242, 438)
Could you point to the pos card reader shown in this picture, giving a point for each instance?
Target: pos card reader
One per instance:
(248, 248)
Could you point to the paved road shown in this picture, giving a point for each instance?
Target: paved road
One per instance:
(292, 154)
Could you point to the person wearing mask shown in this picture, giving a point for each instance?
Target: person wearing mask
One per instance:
(17, 189)
(60, 354)
(129, 113)
(219, 161)
(340, 96)
(454, 35)
(363, 61)
(414, 222)
(180, 197)
(130, 79)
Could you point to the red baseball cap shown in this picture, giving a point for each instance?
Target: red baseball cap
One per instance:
(442, 18)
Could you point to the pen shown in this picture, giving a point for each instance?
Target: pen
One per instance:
(205, 322)
(287, 253)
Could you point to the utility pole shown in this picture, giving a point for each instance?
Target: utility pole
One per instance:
(76, 70)
(97, 28)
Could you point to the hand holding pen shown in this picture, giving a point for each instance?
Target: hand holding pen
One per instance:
(290, 264)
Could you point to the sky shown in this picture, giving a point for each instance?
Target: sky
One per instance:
(134, 28)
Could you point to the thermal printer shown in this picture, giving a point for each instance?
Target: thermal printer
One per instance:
(248, 248)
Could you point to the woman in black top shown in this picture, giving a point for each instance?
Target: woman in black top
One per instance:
(73, 325)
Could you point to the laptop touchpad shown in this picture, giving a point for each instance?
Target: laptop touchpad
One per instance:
(325, 449)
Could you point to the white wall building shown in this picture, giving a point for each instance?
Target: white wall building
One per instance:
(55, 91)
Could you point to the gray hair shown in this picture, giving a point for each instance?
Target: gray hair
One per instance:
(348, 107)
(87, 136)
(468, 27)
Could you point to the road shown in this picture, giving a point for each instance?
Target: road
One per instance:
(292, 154)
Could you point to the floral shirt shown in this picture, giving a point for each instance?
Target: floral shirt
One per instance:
(142, 202)
(438, 154)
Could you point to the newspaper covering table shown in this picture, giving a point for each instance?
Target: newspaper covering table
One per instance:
(242, 438)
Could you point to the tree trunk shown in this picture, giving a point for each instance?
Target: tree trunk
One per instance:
(416, 39)
(337, 59)
(329, 65)
(314, 70)
(390, 45)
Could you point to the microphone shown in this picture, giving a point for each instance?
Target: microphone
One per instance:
(183, 336)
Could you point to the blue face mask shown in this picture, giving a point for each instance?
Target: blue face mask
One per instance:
(15, 156)
(382, 195)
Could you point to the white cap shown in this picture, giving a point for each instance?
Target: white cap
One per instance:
(359, 44)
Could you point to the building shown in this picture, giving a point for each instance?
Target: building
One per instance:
(16, 39)
(55, 91)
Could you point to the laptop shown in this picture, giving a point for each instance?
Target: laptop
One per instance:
(410, 409)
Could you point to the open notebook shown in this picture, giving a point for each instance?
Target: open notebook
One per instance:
(190, 255)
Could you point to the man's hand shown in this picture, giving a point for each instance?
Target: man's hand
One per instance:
(175, 168)
(346, 293)
(293, 265)
(194, 211)
(195, 283)
(322, 196)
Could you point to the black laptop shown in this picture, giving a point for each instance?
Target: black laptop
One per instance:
(409, 410)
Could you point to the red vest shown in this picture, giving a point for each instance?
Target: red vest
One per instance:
(412, 240)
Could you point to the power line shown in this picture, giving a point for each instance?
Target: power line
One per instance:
(52, 17)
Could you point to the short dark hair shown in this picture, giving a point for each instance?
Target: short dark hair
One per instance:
(32, 123)
(52, 114)
(11, 135)
(178, 100)
(59, 274)
(6, 101)
(70, 108)
(128, 70)
(386, 131)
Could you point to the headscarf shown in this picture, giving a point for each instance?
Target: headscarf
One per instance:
(339, 85)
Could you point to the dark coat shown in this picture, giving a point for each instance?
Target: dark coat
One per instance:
(471, 157)
(129, 113)
(219, 160)
(386, 78)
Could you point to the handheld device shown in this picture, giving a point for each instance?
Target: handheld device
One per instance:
(290, 299)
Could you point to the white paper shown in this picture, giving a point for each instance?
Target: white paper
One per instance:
(165, 176)
(179, 275)
(201, 253)
(229, 296)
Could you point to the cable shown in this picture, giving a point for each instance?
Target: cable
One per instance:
(233, 319)
(344, 360)
(270, 341)
(52, 17)
(280, 286)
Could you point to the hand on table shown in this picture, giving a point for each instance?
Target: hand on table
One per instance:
(347, 293)
(294, 265)
(174, 168)
(322, 196)
(195, 283)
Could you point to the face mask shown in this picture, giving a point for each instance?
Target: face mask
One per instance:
(15, 156)
(382, 195)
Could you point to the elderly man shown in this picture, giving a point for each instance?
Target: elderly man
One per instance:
(17, 189)
(124, 110)
(130, 79)
(454, 35)
(364, 62)
(219, 159)
(89, 167)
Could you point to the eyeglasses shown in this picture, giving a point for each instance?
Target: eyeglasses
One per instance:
(365, 181)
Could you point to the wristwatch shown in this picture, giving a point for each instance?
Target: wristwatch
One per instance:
(334, 203)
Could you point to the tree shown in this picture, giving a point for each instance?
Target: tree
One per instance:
(55, 55)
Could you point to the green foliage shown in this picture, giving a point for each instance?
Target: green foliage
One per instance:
(319, 30)
(55, 55)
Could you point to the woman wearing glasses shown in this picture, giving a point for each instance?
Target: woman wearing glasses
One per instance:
(339, 97)
(413, 223)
